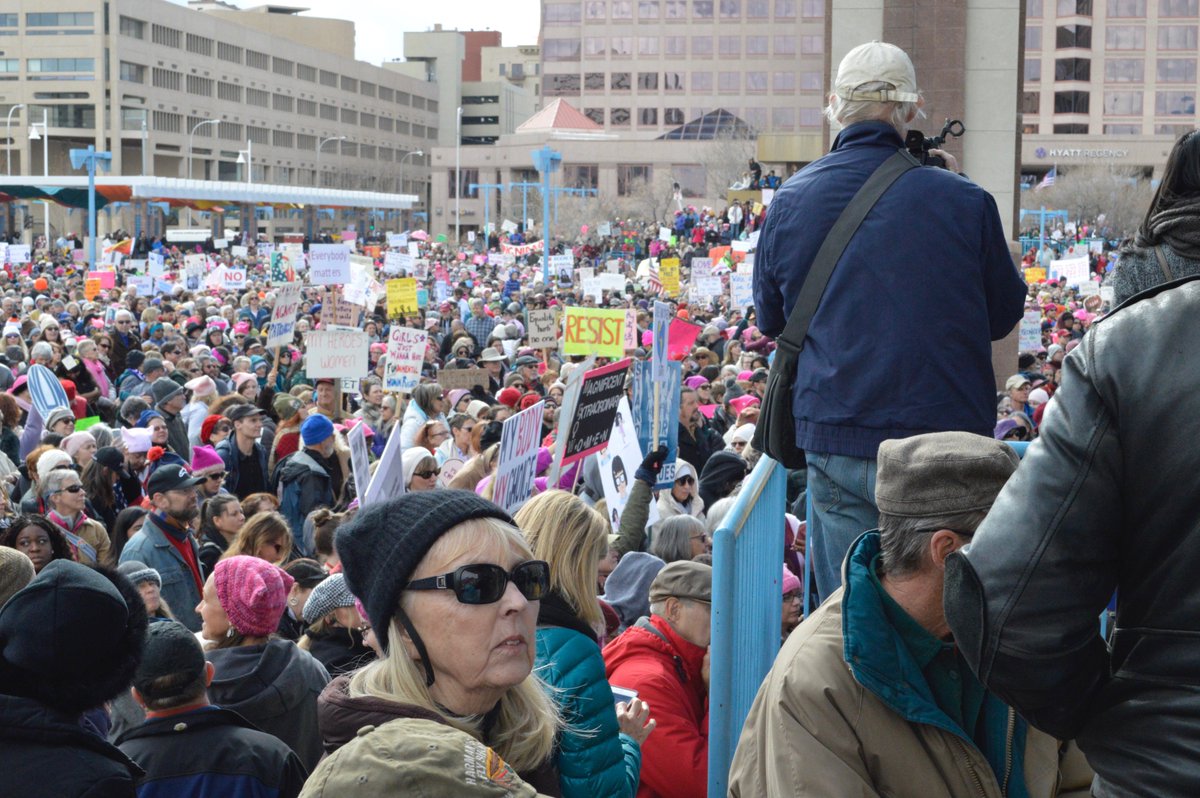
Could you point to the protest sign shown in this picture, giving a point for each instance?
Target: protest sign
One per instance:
(281, 330)
(450, 379)
(397, 241)
(77, 255)
(590, 423)
(341, 312)
(141, 284)
(156, 264)
(337, 353)
(91, 288)
(594, 331)
(661, 332)
(543, 329)
(45, 391)
(239, 251)
(396, 262)
(617, 463)
(613, 265)
(220, 243)
(405, 352)
(1108, 294)
(701, 290)
(402, 296)
(1030, 335)
(664, 234)
(138, 266)
(1035, 274)
(19, 253)
(668, 274)
(450, 468)
(234, 277)
(328, 264)
(388, 479)
(667, 433)
(293, 255)
(1073, 270)
(107, 279)
(701, 267)
(508, 226)
(562, 266)
(631, 329)
(604, 230)
(516, 464)
(360, 463)
(680, 337)
(741, 290)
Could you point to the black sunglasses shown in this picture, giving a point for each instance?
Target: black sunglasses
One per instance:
(485, 583)
(686, 479)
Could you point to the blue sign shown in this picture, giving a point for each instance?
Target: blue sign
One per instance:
(668, 414)
(45, 391)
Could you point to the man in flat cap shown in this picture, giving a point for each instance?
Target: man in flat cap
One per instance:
(870, 695)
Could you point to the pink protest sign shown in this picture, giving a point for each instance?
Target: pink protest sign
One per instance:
(680, 337)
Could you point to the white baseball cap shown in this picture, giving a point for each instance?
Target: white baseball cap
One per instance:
(877, 62)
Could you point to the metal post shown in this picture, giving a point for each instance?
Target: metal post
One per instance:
(191, 135)
(458, 178)
(46, 170)
(400, 188)
(145, 148)
(8, 139)
(79, 159)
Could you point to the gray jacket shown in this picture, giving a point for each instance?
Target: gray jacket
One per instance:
(1139, 270)
(150, 545)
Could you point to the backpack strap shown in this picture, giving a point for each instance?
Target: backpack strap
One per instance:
(1162, 263)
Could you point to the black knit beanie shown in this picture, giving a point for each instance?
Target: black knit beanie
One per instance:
(382, 545)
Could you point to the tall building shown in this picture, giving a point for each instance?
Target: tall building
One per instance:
(1107, 82)
(175, 91)
(648, 66)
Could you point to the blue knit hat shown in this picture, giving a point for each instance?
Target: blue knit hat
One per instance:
(315, 429)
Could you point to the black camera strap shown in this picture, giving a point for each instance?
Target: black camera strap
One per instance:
(836, 241)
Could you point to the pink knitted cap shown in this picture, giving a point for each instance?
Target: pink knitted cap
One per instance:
(790, 581)
(252, 592)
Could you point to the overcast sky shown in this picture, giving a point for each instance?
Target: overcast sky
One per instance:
(379, 26)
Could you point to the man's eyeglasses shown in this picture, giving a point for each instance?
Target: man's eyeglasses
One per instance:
(485, 583)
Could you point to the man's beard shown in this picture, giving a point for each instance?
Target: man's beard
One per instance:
(185, 515)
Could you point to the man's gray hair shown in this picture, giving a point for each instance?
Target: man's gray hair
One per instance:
(904, 541)
(123, 315)
(41, 352)
(846, 112)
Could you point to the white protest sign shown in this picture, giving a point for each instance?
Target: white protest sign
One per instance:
(586, 273)
(562, 265)
(414, 249)
(142, 284)
(701, 267)
(220, 243)
(282, 328)
(388, 479)
(156, 265)
(395, 262)
(664, 234)
(543, 329)
(360, 462)
(741, 290)
(337, 353)
(591, 287)
(239, 251)
(1073, 270)
(508, 226)
(1108, 294)
(613, 265)
(234, 277)
(138, 266)
(617, 463)
(631, 329)
(741, 246)
(746, 266)
(1030, 335)
(702, 289)
(613, 283)
(516, 465)
(328, 264)
(405, 352)
(19, 253)
(397, 241)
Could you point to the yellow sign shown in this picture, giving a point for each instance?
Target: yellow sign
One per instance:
(91, 288)
(594, 331)
(401, 296)
(1035, 274)
(668, 273)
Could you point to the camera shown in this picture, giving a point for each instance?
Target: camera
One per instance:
(919, 146)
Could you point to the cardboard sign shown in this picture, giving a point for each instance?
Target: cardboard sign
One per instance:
(668, 275)
(594, 331)
(590, 424)
(1030, 335)
(328, 264)
(516, 465)
(282, 328)
(388, 479)
(402, 296)
(360, 462)
(741, 291)
(543, 329)
(341, 312)
(631, 329)
(667, 432)
(337, 354)
(450, 379)
(405, 353)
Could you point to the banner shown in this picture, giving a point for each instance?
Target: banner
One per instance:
(401, 296)
(520, 250)
(337, 354)
(328, 264)
(405, 352)
(591, 423)
(281, 330)
(516, 464)
(1030, 336)
(543, 329)
(594, 331)
(668, 414)
(668, 274)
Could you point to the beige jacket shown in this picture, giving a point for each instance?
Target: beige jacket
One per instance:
(815, 731)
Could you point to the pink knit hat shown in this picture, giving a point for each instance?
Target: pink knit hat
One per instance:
(204, 458)
(252, 592)
(790, 581)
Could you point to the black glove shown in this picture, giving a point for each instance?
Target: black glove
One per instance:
(652, 463)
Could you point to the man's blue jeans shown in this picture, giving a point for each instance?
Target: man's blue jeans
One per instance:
(842, 489)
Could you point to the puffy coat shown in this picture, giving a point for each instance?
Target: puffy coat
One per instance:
(211, 751)
(45, 753)
(664, 669)
(593, 757)
(275, 686)
(846, 711)
(1105, 501)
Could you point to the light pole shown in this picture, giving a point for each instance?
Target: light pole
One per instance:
(321, 144)
(44, 135)
(8, 139)
(246, 157)
(458, 178)
(407, 155)
(192, 133)
(145, 148)
(89, 158)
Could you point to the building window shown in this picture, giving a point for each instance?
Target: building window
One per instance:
(702, 45)
(1030, 102)
(1175, 103)
(330, 79)
(758, 9)
(690, 178)
(729, 46)
(1033, 9)
(1073, 36)
(1124, 70)
(647, 9)
(595, 46)
(1029, 128)
(258, 97)
(648, 117)
(812, 9)
(622, 9)
(229, 52)
(756, 118)
(812, 45)
(328, 112)
(1174, 131)
(1033, 70)
(647, 45)
(1176, 8)
(201, 87)
(166, 79)
(258, 60)
(1071, 129)
(60, 20)
(811, 117)
(810, 81)
(60, 65)
(756, 45)
(620, 81)
(560, 49)
(134, 73)
(728, 82)
(306, 107)
(1177, 37)
(675, 45)
(1072, 102)
(730, 9)
(562, 85)
(673, 81)
(783, 83)
(673, 116)
(1074, 8)
(128, 26)
(307, 73)
(231, 92)
(785, 9)
(593, 81)
(11, 66)
(618, 117)
(166, 122)
(702, 82)
(200, 45)
(647, 81)
(675, 9)
(756, 82)
(1127, 8)
(1176, 70)
(785, 44)
(1125, 37)
(169, 37)
(1073, 69)
(783, 119)
(1123, 103)
(702, 9)
(1033, 39)
(582, 175)
(561, 14)
(282, 102)
(1122, 130)
(595, 9)
(594, 114)
(632, 177)
(467, 177)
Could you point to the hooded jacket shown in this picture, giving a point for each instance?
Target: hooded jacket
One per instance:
(304, 485)
(664, 669)
(45, 753)
(668, 506)
(275, 686)
(847, 711)
(211, 751)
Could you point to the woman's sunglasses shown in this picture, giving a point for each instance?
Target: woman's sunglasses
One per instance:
(686, 479)
(485, 583)
(428, 474)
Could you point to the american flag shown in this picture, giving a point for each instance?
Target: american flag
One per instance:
(1048, 180)
(656, 285)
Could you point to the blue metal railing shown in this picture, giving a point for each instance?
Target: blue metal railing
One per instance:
(746, 611)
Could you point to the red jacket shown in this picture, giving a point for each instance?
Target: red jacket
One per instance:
(665, 670)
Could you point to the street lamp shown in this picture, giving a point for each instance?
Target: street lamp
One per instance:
(192, 133)
(8, 139)
(44, 136)
(458, 179)
(246, 157)
(321, 144)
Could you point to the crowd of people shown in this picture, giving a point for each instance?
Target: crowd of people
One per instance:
(198, 598)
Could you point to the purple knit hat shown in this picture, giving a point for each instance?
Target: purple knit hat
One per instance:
(695, 382)
(252, 592)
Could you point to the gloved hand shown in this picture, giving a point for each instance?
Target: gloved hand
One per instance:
(652, 463)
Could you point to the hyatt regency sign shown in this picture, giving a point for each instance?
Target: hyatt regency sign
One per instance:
(1069, 152)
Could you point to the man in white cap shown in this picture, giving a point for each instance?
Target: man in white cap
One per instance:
(923, 286)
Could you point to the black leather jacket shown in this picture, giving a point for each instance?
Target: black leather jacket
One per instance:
(1107, 499)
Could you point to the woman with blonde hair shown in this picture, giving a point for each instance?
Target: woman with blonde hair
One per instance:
(265, 536)
(451, 590)
(598, 752)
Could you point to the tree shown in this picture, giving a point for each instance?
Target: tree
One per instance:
(1111, 197)
(725, 159)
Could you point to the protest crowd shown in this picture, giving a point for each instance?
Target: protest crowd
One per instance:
(385, 513)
